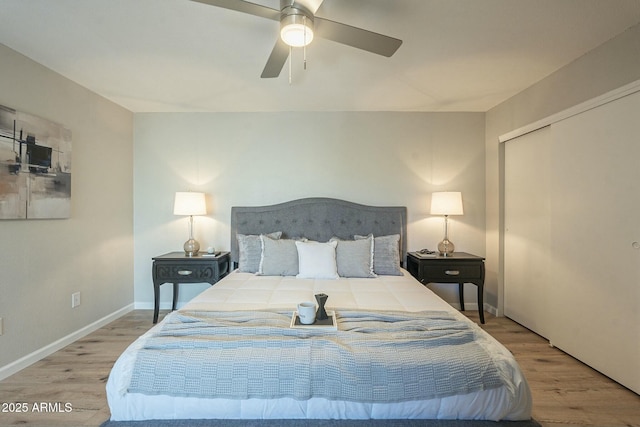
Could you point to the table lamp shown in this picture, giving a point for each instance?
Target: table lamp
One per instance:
(190, 203)
(446, 203)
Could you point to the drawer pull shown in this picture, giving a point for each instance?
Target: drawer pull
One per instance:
(452, 272)
(184, 272)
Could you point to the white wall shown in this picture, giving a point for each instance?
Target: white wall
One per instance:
(611, 65)
(42, 262)
(263, 158)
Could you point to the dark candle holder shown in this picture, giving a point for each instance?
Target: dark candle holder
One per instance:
(321, 313)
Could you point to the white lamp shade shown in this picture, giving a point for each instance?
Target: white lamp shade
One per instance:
(446, 203)
(189, 203)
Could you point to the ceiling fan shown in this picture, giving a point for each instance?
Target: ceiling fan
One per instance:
(299, 25)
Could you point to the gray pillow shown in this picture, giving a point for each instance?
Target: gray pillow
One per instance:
(250, 251)
(279, 257)
(386, 254)
(355, 257)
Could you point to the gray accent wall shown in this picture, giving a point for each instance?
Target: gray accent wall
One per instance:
(42, 262)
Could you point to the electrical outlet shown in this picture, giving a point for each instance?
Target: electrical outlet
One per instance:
(75, 299)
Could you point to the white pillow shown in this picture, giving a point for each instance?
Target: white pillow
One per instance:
(317, 260)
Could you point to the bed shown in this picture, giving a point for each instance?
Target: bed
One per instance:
(398, 351)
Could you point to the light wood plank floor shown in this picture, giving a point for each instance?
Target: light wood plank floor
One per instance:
(71, 382)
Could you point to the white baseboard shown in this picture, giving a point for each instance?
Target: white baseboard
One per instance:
(491, 309)
(31, 358)
(149, 305)
(142, 305)
(145, 305)
(473, 306)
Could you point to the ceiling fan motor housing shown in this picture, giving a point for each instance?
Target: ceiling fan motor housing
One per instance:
(296, 24)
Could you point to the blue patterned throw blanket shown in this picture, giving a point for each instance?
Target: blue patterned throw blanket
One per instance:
(380, 356)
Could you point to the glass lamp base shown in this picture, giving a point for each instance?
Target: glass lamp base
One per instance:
(191, 247)
(446, 247)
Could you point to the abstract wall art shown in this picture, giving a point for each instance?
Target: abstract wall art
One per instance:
(35, 167)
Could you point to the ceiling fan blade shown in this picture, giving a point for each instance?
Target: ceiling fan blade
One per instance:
(246, 7)
(276, 60)
(356, 37)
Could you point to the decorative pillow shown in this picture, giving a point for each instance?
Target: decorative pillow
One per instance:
(279, 257)
(355, 257)
(250, 251)
(386, 254)
(317, 260)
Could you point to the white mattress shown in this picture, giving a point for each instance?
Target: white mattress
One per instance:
(243, 291)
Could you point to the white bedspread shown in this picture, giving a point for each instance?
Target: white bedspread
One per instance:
(245, 291)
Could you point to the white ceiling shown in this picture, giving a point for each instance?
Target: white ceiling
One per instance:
(179, 55)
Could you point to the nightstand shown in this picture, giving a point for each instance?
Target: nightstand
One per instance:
(459, 268)
(176, 268)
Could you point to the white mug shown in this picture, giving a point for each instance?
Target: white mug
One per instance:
(307, 313)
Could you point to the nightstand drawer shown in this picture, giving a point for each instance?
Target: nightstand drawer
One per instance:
(453, 271)
(185, 272)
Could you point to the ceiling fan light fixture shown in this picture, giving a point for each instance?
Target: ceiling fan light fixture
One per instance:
(296, 30)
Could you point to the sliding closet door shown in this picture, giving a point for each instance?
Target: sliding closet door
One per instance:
(595, 230)
(527, 230)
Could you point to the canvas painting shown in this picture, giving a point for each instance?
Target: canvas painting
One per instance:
(35, 167)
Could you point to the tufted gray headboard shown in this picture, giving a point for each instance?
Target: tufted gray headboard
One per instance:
(319, 219)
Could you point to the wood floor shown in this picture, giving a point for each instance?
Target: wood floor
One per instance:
(68, 387)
